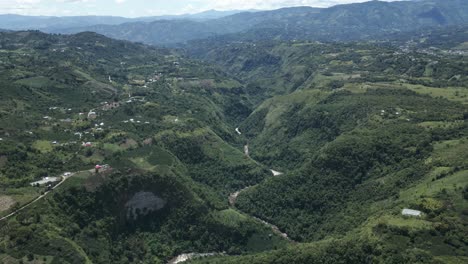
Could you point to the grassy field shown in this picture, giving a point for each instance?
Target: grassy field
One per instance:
(43, 146)
(402, 221)
(428, 187)
(112, 147)
(142, 163)
(78, 179)
(451, 153)
(19, 197)
(456, 94)
(441, 124)
(35, 82)
(150, 157)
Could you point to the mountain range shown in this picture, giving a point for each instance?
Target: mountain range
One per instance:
(359, 21)
(48, 23)
(256, 144)
(369, 20)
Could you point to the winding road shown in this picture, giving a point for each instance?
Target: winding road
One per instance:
(35, 200)
(64, 178)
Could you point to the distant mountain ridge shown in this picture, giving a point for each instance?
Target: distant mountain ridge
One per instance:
(166, 32)
(361, 21)
(357, 21)
(49, 23)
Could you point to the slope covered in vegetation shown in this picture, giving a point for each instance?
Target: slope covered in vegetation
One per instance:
(355, 132)
(362, 132)
(162, 124)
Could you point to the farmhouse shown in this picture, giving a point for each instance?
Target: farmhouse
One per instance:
(45, 180)
(92, 115)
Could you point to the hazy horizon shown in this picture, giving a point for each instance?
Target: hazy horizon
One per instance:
(142, 8)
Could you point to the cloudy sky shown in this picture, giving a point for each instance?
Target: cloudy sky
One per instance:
(133, 8)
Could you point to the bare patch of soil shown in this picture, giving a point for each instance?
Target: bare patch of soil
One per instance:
(6, 202)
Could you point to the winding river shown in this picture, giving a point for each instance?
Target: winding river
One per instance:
(232, 198)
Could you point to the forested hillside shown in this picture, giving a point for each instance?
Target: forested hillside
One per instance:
(162, 124)
(361, 132)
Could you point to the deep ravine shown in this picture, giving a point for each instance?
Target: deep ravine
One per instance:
(232, 198)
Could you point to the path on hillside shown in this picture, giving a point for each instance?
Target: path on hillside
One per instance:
(64, 178)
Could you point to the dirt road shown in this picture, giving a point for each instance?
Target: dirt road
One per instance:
(64, 178)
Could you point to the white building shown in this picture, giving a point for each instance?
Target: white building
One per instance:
(411, 212)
